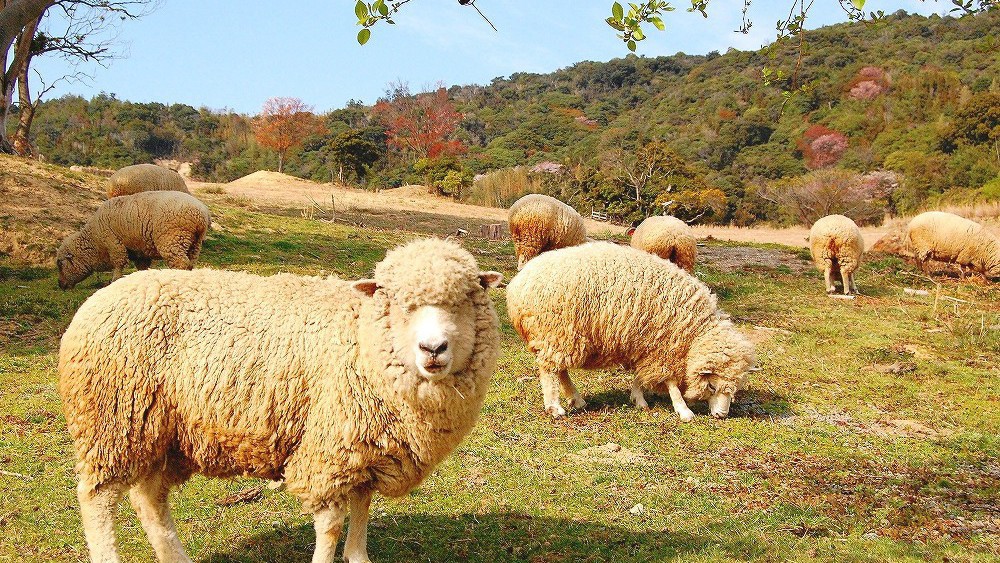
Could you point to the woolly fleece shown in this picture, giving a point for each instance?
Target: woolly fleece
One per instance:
(145, 178)
(600, 305)
(669, 238)
(539, 223)
(946, 237)
(282, 377)
(140, 227)
(836, 245)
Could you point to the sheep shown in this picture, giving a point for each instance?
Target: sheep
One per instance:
(600, 305)
(340, 388)
(836, 246)
(140, 228)
(539, 223)
(946, 237)
(669, 238)
(145, 178)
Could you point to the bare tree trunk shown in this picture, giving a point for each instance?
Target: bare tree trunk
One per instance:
(281, 160)
(15, 13)
(26, 107)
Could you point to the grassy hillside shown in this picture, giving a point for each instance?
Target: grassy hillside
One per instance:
(869, 435)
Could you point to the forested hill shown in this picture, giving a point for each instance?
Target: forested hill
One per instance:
(918, 96)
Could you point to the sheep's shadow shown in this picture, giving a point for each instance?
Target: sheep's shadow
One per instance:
(496, 537)
(750, 403)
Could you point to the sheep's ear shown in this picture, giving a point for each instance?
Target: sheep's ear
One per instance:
(490, 279)
(368, 287)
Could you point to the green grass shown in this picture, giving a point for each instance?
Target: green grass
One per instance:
(810, 466)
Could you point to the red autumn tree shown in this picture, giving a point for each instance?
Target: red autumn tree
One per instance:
(284, 123)
(822, 147)
(420, 124)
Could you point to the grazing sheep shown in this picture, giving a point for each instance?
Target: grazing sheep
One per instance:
(946, 237)
(836, 246)
(145, 178)
(539, 223)
(669, 238)
(140, 228)
(600, 304)
(339, 388)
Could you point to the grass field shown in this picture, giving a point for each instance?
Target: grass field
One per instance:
(871, 433)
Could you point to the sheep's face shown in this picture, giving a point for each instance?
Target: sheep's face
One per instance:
(720, 393)
(70, 262)
(433, 340)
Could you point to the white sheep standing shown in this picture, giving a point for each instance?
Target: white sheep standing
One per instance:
(669, 238)
(539, 223)
(339, 388)
(600, 305)
(836, 246)
(141, 228)
(946, 237)
(145, 178)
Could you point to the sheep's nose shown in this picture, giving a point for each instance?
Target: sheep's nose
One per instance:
(434, 347)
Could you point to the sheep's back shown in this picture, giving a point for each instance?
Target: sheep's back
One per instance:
(835, 237)
(667, 236)
(216, 367)
(545, 221)
(139, 220)
(143, 178)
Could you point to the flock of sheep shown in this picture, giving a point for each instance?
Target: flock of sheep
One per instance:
(342, 389)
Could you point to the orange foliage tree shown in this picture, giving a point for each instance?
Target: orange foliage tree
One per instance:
(421, 124)
(284, 123)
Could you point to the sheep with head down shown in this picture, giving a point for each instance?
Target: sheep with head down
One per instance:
(599, 305)
(341, 389)
(141, 228)
(946, 237)
(539, 223)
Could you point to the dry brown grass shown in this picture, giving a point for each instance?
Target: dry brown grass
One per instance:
(40, 204)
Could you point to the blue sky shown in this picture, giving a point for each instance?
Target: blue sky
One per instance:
(236, 54)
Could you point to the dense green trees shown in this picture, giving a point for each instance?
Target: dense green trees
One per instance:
(917, 96)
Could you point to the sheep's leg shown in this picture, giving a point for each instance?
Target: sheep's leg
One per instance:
(961, 272)
(118, 257)
(570, 390)
(637, 396)
(854, 287)
(328, 522)
(356, 545)
(142, 263)
(549, 381)
(680, 407)
(845, 279)
(97, 511)
(828, 274)
(149, 499)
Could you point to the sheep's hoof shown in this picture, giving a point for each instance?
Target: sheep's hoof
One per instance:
(643, 406)
(686, 415)
(556, 411)
(578, 404)
(831, 290)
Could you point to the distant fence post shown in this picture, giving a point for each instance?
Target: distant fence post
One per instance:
(492, 232)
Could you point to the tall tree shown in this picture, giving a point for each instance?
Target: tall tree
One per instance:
(82, 33)
(422, 125)
(284, 123)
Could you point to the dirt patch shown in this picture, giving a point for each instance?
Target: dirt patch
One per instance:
(608, 454)
(937, 502)
(743, 258)
(41, 205)
(886, 428)
(272, 188)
